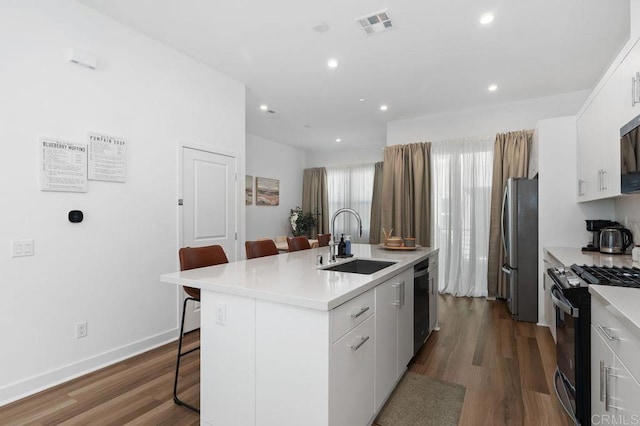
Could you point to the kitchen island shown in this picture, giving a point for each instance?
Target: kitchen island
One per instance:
(285, 342)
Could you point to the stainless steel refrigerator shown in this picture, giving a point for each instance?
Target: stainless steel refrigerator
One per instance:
(520, 244)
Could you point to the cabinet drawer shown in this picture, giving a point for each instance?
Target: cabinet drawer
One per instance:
(619, 338)
(351, 313)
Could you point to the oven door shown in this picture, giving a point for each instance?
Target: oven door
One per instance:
(566, 321)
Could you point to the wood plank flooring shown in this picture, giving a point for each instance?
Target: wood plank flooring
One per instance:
(506, 367)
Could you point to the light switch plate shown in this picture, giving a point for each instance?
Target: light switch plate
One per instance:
(21, 248)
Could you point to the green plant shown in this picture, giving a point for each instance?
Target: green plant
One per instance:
(302, 222)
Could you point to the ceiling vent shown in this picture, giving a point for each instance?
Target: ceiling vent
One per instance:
(375, 23)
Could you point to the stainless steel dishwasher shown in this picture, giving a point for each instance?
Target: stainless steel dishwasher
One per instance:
(425, 278)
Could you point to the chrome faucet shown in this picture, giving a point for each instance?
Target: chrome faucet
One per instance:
(333, 226)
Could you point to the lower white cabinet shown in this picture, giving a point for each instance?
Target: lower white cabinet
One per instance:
(615, 392)
(394, 333)
(352, 370)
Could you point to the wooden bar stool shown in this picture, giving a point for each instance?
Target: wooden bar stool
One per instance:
(323, 240)
(191, 258)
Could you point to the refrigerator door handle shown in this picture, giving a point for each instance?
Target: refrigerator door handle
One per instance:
(502, 227)
(507, 270)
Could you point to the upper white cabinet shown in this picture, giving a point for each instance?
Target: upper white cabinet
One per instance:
(599, 130)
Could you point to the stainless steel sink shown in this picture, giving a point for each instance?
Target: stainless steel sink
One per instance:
(360, 266)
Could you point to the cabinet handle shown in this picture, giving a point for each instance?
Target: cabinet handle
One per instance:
(402, 294)
(360, 312)
(606, 388)
(398, 290)
(602, 380)
(605, 331)
(362, 342)
(635, 81)
(600, 180)
(604, 179)
(580, 183)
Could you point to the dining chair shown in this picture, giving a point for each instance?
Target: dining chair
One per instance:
(323, 240)
(298, 243)
(260, 248)
(191, 258)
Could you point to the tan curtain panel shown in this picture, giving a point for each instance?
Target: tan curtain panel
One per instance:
(376, 205)
(510, 159)
(406, 191)
(315, 196)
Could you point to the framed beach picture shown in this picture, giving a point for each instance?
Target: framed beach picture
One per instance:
(248, 190)
(267, 192)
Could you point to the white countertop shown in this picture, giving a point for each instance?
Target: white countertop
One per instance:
(294, 278)
(568, 256)
(622, 302)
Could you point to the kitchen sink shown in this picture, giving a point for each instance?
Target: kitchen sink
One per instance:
(360, 266)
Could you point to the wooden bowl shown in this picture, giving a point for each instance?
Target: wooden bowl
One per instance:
(394, 242)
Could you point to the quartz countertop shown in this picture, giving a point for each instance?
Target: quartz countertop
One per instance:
(621, 302)
(568, 256)
(294, 278)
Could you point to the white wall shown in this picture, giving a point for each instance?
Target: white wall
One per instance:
(345, 156)
(106, 269)
(628, 214)
(483, 121)
(266, 158)
(561, 220)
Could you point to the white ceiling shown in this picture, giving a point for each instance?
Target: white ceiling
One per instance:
(438, 57)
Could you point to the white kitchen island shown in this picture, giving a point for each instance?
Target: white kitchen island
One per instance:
(284, 342)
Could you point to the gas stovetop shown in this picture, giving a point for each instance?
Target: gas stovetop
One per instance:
(605, 275)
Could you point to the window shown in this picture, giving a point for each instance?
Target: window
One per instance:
(352, 187)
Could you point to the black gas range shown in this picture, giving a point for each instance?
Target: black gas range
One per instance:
(572, 304)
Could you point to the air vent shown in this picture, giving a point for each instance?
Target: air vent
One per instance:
(375, 23)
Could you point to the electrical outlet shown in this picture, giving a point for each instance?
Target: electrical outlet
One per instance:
(81, 329)
(221, 313)
(20, 248)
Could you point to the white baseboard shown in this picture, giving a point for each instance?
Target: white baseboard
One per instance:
(32, 385)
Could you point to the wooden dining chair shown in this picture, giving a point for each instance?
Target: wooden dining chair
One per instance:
(260, 248)
(298, 243)
(192, 258)
(323, 240)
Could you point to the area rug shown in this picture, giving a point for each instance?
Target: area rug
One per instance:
(422, 401)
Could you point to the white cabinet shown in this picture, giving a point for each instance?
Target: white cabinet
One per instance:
(599, 130)
(394, 333)
(352, 373)
(615, 392)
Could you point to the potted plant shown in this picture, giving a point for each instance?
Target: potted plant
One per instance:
(302, 222)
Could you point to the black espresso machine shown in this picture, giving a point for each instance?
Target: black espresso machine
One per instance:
(595, 226)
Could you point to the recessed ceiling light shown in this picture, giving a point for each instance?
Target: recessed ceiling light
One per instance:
(264, 107)
(486, 19)
(383, 107)
(338, 140)
(332, 63)
(492, 88)
(361, 100)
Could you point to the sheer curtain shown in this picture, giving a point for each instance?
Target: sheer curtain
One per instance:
(351, 186)
(461, 210)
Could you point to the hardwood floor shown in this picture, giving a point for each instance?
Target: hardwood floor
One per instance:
(506, 367)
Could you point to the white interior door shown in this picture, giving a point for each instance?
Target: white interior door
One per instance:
(209, 208)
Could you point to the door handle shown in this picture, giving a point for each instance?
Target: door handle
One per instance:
(602, 380)
(363, 340)
(504, 202)
(397, 301)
